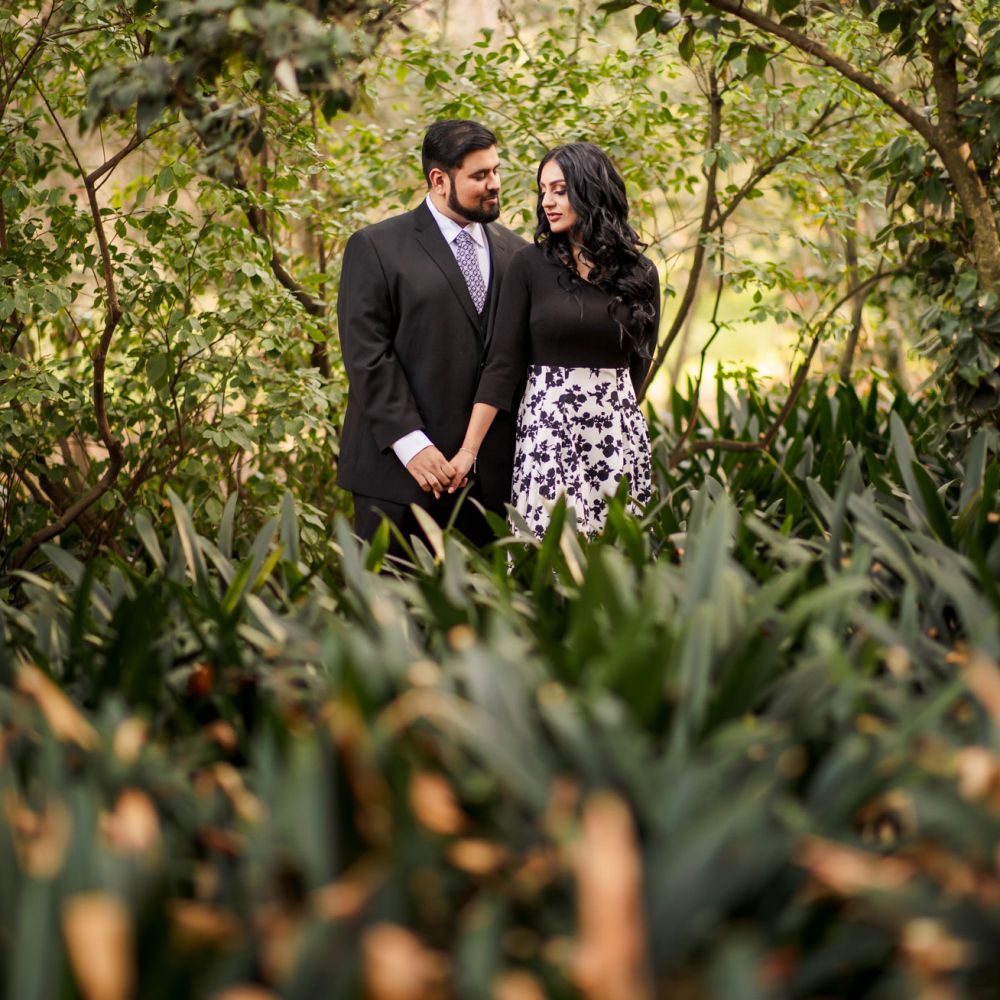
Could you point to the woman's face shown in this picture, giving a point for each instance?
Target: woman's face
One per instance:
(555, 200)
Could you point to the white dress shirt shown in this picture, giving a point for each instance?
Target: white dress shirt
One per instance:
(409, 445)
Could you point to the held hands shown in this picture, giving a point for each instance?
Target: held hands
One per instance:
(432, 471)
(463, 463)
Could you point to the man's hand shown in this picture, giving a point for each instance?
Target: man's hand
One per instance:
(432, 471)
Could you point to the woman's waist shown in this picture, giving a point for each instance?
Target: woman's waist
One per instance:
(541, 367)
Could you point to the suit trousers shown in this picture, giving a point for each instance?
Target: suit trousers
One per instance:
(369, 511)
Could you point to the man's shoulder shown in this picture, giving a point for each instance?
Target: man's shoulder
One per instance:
(388, 229)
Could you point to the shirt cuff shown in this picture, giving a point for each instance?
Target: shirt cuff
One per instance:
(410, 445)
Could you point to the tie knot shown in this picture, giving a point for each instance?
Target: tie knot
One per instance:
(464, 238)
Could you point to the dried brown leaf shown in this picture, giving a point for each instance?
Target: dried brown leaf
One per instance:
(978, 772)
(611, 961)
(198, 924)
(40, 838)
(434, 804)
(281, 935)
(131, 735)
(349, 894)
(932, 948)
(848, 871)
(245, 991)
(983, 677)
(98, 931)
(477, 856)
(517, 984)
(248, 807)
(224, 734)
(64, 718)
(398, 966)
(133, 827)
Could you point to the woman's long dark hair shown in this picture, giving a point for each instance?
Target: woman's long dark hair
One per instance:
(596, 193)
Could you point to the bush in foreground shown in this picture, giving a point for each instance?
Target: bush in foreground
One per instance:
(744, 746)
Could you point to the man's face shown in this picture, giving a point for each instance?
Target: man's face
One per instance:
(473, 192)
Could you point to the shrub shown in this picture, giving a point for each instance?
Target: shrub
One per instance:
(743, 745)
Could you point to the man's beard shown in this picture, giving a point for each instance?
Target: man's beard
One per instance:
(480, 213)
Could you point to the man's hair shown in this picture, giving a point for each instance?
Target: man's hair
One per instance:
(447, 143)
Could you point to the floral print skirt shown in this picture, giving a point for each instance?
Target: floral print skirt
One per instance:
(579, 431)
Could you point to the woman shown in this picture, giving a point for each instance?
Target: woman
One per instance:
(578, 314)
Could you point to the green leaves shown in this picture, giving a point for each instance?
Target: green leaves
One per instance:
(649, 19)
(755, 684)
(888, 20)
(686, 46)
(757, 58)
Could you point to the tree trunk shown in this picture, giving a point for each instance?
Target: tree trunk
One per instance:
(956, 154)
(857, 309)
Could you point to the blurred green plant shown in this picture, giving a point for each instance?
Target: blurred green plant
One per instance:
(746, 744)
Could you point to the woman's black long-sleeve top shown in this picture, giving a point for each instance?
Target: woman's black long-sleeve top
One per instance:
(544, 318)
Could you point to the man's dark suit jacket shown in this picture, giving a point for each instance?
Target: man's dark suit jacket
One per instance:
(413, 345)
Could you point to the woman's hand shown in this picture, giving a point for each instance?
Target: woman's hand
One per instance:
(463, 463)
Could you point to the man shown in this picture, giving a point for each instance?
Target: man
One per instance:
(417, 294)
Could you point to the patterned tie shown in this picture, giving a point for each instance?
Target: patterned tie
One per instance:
(468, 263)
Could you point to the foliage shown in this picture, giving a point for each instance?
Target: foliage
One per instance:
(241, 765)
(910, 58)
(782, 146)
(744, 745)
(164, 295)
(221, 373)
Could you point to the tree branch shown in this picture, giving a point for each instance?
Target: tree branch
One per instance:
(320, 355)
(812, 47)
(675, 454)
(766, 169)
(698, 261)
(99, 356)
(945, 140)
(767, 437)
(24, 63)
(956, 154)
(857, 310)
(710, 224)
(257, 218)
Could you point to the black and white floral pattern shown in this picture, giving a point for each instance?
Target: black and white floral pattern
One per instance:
(579, 431)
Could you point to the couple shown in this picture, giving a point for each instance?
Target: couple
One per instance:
(451, 325)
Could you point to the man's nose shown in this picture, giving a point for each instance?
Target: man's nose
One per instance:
(493, 183)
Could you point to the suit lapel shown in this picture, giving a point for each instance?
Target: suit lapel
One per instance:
(430, 238)
(499, 255)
